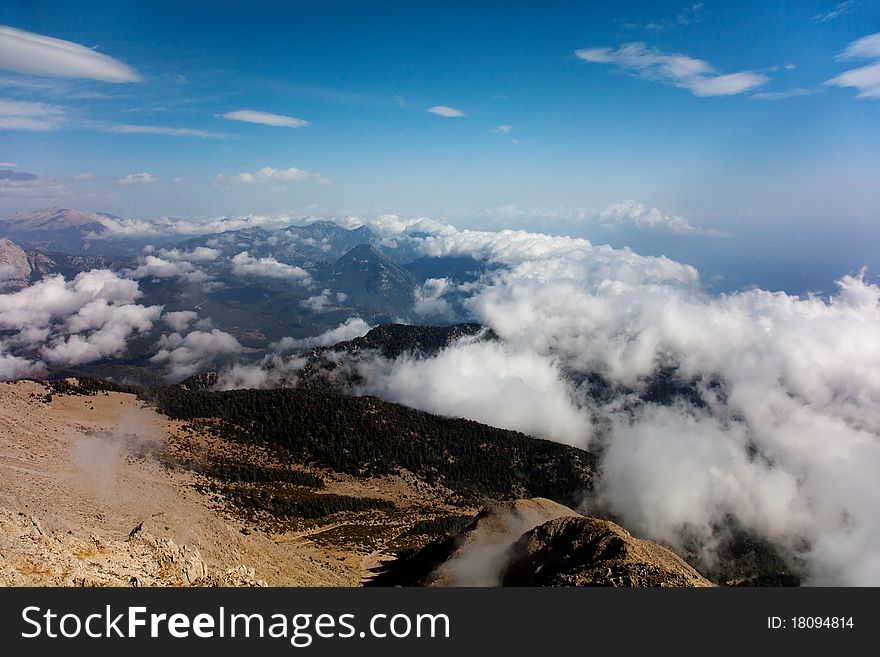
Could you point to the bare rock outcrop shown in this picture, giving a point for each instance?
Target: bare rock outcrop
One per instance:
(15, 270)
(581, 551)
(33, 556)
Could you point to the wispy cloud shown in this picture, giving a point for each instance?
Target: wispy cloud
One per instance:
(782, 95)
(134, 129)
(503, 129)
(36, 54)
(841, 9)
(696, 75)
(446, 111)
(23, 115)
(865, 78)
(264, 118)
(690, 14)
(270, 175)
(133, 179)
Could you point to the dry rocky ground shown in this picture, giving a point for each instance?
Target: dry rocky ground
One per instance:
(80, 472)
(98, 489)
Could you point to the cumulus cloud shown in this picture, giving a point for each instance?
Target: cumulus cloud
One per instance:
(183, 356)
(792, 380)
(503, 129)
(630, 213)
(99, 330)
(24, 115)
(273, 372)
(269, 175)
(429, 299)
(353, 327)
(198, 254)
(160, 267)
(265, 118)
(865, 78)
(16, 367)
(36, 54)
(445, 111)
(73, 322)
(696, 75)
(243, 264)
(180, 320)
(491, 383)
(133, 179)
(321, 303)
(641, 216)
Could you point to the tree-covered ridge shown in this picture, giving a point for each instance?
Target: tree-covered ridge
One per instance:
(392, 340)
(364, 436)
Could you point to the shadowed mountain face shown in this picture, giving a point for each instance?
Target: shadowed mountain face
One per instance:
(371, 280)
(304, 246)
(20, 267)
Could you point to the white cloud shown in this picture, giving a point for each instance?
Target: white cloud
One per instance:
(180, 320)
(429, 301)
(158, 267)
(865, 78)
(198, 254)
(137, 179)
(782, 95)
(353, 327)
(793, 379)
(265, 118)
(641, 216)
(270, 175)
(243, 264)
(695, 75)
(491, 383)
(23, 115)
(864, 48)
(16, 367)
(183, 356)
(842, 8)
(134, 129)
(503, 129)
(36, 54)
(74, 322)
(321, 303)
(446, 111)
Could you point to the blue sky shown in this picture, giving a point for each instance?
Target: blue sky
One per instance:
(722, 115)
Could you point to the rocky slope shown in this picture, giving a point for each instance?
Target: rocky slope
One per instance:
(81, 467)
(579, 551)
(15, 270)
(537, 542)
(34, 556)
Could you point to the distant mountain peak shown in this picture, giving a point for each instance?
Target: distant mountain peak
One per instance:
(363, 252)
(56, 218)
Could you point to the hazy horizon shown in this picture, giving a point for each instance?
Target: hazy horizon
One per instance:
(751, 130)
